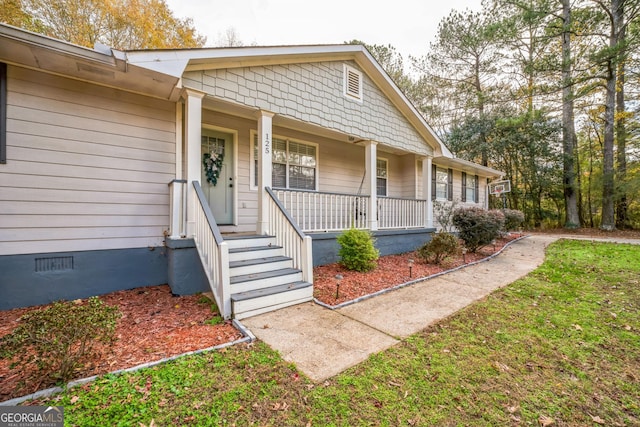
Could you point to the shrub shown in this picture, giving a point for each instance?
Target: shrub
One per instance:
(478, 227)
(443, 212)
(513, 219)
(61, 337)
(357, 250)
(439, 247)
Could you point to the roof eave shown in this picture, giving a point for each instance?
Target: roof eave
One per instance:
(467, 166)
(105, 67)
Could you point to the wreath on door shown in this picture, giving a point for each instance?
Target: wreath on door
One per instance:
(212, 166)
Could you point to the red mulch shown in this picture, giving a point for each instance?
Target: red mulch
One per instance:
(392, 270)
(154, 325)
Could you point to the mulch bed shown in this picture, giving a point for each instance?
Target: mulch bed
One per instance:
(154, 325)
(392, 270)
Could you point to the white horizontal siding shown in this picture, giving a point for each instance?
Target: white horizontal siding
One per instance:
(15, 180)
(41, 169)
(62, 221)
(68, 233)
(87, 167)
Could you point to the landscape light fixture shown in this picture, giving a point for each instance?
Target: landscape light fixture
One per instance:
(338, 279)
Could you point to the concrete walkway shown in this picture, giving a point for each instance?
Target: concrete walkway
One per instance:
(323, 342)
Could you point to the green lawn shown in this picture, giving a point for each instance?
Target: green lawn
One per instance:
(561, 345)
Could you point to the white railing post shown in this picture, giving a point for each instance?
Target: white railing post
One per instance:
(176, 212)
(224, 279)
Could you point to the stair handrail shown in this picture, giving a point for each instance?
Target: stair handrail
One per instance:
(296, 244)
(213, 251)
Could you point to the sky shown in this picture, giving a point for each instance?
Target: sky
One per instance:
(407, 25)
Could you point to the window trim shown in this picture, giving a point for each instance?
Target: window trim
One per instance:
(386, 179)
(3, 113)
(465, 187)
(350, 94)
(434, 183)
(253, 166)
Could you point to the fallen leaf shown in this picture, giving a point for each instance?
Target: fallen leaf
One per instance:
(74, 399)
(502, 367)
(615, 316)
(627, 327)
(577, 327)
(546, 421)
(597, 419)
(513, 409)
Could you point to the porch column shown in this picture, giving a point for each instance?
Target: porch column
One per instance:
(426, 190)
(176, 186)
(265, 148)
(192, 141)
(370, 183)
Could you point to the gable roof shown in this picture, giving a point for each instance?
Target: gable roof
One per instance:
(177, 62)
(158, 73)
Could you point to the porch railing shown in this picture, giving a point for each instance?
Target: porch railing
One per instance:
(318, 211)
(288, 234)
(401, 213)
(213, 251)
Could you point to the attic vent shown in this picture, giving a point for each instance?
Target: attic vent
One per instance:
(352, 83)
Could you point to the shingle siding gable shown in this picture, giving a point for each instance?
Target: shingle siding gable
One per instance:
(313, 92)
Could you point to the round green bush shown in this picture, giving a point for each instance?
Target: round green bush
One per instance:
(440, 246)
(357, 250)
(478, 227)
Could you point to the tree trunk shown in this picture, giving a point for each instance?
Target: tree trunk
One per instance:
(608, 187)
(568, 127)
(621, 131)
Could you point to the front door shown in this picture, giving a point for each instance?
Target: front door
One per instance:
(217, 174)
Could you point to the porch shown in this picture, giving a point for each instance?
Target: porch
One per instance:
(326, 182)
(252, 273)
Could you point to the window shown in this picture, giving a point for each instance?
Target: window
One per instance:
(469, 188)
(381, 177)
(441, 183)
(352, 83)
(3, 112)
(294, 164)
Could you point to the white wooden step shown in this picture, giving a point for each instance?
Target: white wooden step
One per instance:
(242, 254)
(252, 266)
(256, 302)
(249, 241)
(251, 282)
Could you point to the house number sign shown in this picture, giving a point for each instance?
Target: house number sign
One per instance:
(267, 144)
